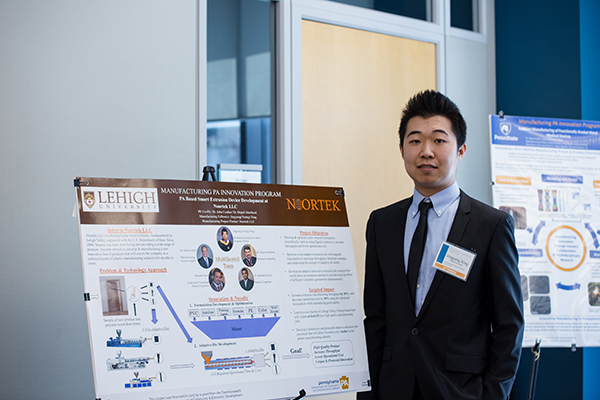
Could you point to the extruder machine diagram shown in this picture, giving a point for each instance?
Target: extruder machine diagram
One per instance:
(121, 362)
(118, 341)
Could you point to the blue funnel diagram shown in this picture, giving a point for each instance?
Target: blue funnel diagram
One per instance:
(237, 328)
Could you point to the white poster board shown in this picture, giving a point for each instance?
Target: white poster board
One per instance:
(546, 174)
(273, 309)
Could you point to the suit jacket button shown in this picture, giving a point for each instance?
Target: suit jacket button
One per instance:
(414, 332)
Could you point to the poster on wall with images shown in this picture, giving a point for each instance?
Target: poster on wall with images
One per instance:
(546, 174)
(207, 290)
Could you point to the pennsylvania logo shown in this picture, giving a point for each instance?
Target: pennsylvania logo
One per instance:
(345, 382)
(88, 198)
(505, 128)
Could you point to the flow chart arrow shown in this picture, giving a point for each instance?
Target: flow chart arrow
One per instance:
(537, 231)
(562, 286)
(154, 320)
(181, 366)
(185, 332)
(591, 230)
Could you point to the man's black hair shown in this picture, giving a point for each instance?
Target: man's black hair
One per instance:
(431, 103)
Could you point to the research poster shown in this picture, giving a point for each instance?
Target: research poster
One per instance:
(206, 290)
(546, 174)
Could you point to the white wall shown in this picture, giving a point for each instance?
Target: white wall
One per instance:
(87, 88)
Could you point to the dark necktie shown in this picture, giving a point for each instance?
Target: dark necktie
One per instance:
(417, 246)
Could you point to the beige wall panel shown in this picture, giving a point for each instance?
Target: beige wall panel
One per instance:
(354, 85)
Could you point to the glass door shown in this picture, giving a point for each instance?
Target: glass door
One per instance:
(239, 84)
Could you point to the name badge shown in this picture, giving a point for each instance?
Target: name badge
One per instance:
(455, 260)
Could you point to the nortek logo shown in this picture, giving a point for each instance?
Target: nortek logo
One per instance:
(120, 199)
(312, 205)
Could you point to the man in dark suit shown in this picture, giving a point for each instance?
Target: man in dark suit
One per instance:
(249, 259)
(246, 283)
(205, 261)
(216, 279)
(431, 334)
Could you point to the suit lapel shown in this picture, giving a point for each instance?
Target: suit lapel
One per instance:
(461, 219)
(398, 240)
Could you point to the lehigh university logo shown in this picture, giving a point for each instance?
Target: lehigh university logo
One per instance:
(88, 198)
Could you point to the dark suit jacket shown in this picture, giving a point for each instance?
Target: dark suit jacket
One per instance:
(466, 341)
(216, 287)
(203, 264)
(249, 284)
(251, 262)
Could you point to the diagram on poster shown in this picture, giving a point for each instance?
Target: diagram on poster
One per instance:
(546, 174)
(208, 290)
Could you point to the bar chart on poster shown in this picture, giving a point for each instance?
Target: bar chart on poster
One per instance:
(209, 290)
(546, 174)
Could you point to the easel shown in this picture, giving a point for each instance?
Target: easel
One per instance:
(208, 170)
(534, 369)
(302, 394)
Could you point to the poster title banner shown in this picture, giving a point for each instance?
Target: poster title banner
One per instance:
(545, 132)
(109, 201)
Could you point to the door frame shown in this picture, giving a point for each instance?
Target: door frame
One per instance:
(289, 80)
(287, 63)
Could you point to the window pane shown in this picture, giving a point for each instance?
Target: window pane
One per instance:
(224, 142)
(464, 14)
(418, 9)
(239, 83)
(241, 141)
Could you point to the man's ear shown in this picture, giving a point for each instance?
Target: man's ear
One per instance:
(401, 150)
(461, 151)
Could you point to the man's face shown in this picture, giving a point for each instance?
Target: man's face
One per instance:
(430, 153)
(224, 235)
(247, 253)
(217, 278)
(204, 252)
(244, 274)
